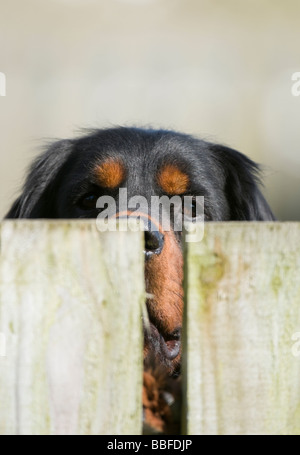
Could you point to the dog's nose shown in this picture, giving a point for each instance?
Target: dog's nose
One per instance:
(154, 239)
(154, 242)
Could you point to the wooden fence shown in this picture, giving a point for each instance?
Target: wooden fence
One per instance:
(242, 373)
(71, 303)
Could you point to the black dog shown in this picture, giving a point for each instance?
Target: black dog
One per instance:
(69, 177)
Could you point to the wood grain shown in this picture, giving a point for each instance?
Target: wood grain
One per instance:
(70, 310)
(242, 349)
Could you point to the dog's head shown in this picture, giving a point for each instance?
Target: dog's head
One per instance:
(68, 179)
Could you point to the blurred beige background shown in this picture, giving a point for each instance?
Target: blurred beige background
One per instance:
(219, 69)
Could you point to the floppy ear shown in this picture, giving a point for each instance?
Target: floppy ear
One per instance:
(242, 181)
(35, 200)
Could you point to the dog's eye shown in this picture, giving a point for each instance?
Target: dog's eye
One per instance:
(191, 209)
(88, 201)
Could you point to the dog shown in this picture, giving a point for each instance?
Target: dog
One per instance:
(70, 176)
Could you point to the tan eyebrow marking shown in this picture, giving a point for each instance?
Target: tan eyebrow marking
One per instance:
(110, 174)
(172, 180)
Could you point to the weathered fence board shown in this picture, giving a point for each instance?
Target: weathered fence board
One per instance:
(242, 358)
(71, 337)
(70, 313)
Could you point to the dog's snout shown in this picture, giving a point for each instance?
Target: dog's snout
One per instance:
(154, 238)
(154, 242)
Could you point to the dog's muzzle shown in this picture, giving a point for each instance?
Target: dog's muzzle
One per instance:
(154, 238)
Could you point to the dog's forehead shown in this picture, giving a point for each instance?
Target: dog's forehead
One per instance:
(146, 162)
(139, 145)
(135, 150)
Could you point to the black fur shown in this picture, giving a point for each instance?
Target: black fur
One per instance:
(62, 175)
